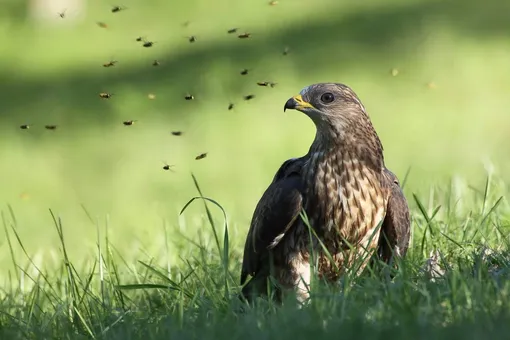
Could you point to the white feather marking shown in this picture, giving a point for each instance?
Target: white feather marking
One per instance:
(276, 240)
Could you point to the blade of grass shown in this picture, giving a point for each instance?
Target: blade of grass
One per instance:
(165, 278)
(406, 176)
(11, 249)
(136, 286)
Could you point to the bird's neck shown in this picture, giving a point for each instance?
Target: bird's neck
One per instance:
(358, 144)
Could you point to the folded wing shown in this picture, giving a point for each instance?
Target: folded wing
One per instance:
(275, 214)
(396, 228)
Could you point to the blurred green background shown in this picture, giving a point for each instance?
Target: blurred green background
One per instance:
(445, 114)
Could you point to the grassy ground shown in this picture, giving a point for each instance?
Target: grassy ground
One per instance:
(114, 219)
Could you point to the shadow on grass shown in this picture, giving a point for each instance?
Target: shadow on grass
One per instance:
(369, 37)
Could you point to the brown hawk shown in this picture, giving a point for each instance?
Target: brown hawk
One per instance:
(347, 193)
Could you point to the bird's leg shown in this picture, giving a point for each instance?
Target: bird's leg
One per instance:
(302, 276)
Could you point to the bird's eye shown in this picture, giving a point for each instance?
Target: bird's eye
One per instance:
(327, 98)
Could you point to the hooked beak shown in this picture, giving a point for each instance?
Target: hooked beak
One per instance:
(297, 103)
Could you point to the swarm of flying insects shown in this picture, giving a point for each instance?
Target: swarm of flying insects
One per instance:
(234, 31)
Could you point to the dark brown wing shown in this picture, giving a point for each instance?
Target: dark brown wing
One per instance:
(276, 212)
(396, 228)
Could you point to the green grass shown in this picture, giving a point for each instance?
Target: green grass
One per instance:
(116, 212)
(196, 297)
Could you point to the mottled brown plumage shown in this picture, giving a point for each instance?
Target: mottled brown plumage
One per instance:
(342, 185)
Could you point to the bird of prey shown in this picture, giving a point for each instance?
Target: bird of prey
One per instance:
(348, 195)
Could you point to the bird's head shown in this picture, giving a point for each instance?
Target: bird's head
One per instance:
(338, 114)
(329, 104)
